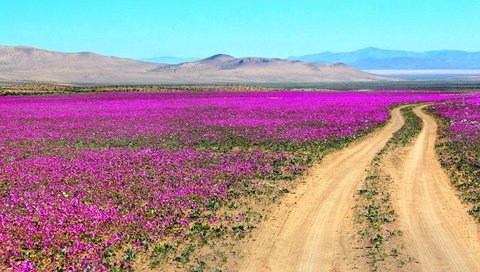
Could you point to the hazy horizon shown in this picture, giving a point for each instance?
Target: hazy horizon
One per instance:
(249, 28)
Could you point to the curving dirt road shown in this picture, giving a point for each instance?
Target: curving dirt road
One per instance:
(437, 230)
(310, 230)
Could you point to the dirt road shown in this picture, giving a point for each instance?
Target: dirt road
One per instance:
(437, 230)
(310, 231)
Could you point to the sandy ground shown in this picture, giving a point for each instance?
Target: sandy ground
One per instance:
(311, 229)
(438, 232)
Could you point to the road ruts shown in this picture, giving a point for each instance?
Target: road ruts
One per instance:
(308, 232)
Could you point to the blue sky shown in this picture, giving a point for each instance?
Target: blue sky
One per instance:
(202, 28)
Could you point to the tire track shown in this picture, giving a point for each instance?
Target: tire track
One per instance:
(310, 230)
(437, 230)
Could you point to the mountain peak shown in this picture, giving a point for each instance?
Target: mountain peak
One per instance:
(218, 56)
(371, 49)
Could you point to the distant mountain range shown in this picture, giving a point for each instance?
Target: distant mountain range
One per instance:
(379, 59)
(31, 64)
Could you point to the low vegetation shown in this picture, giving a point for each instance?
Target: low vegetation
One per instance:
(44, 89)
(375, 215)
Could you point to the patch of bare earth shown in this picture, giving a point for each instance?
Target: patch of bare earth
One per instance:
(312, 229)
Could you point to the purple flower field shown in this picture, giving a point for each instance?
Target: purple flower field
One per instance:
(460, 146)
(86, 179)
(464, 117)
